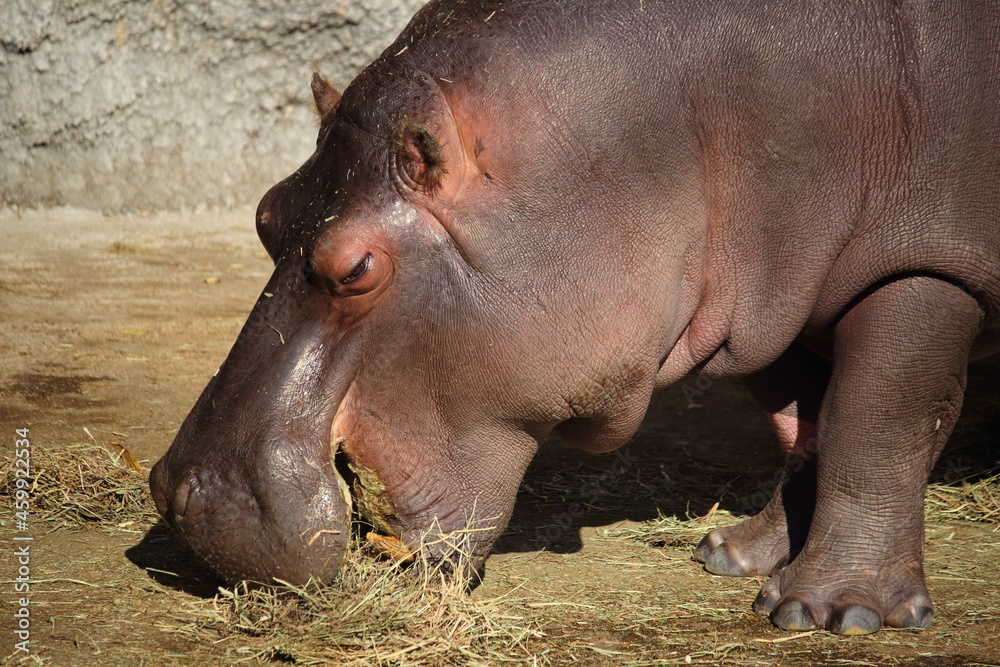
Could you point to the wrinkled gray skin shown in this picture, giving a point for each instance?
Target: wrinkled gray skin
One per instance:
(528, 216)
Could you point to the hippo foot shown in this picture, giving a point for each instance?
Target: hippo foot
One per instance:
(805, 596)
(756, 547)
(769, 540)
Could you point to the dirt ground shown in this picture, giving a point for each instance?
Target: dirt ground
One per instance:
(111, 326)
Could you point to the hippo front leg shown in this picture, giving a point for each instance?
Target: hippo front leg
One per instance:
(790, 390)
(899, 369)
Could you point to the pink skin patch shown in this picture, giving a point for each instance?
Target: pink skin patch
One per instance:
(797, 437)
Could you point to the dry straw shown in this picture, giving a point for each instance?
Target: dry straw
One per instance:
(85, 484)
(373, 614)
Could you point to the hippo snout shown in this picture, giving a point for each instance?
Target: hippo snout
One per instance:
(263, 528)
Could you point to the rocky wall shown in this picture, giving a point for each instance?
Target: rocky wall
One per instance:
(130, 105)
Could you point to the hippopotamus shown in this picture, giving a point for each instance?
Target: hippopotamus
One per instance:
(526, 216)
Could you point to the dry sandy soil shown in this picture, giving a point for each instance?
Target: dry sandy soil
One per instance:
(114, 325)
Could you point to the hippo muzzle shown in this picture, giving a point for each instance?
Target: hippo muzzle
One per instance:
(296, 529)
(250, 481)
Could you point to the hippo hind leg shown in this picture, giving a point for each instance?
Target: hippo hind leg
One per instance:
(899, 368)
(790, 391)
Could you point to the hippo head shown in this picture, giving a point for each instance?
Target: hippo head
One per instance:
(428, 321)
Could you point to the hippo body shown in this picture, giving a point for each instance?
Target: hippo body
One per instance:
(528, 216)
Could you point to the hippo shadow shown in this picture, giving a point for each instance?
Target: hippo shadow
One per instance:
(703, 442)
(699, 444)
(169, 561)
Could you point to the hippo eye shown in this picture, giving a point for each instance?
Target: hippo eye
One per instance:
(358, 270)
(349, 270)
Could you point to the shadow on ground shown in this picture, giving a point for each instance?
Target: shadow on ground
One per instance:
(702, 444)
(169, 561)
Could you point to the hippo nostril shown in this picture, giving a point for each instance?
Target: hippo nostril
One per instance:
(183, 492)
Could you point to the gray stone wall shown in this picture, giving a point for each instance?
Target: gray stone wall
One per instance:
(126, 105)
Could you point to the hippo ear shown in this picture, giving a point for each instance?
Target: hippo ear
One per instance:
(324, 94)
(419, 157)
